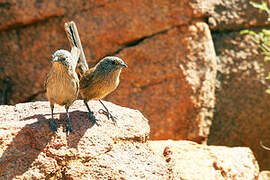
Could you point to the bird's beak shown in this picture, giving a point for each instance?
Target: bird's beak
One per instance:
(124, 65)
(55, 59)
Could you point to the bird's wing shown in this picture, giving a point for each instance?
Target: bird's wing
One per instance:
(87, 78)
(46, 82)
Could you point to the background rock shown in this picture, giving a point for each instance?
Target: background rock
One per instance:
(234, 15)
(175, 87)
(241, 117)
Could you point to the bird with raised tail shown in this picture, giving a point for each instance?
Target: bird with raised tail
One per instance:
(101, 80)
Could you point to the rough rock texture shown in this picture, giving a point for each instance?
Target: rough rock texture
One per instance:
(242, 106)
(233, 15)
(20, 13)
(264, 175)
(175, 87)
(189, 160)
(30, 150)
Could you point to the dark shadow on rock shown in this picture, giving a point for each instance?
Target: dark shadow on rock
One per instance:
(33, 138)
(24, 148)
(80, 123)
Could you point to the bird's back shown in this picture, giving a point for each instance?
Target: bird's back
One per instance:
(95, 85)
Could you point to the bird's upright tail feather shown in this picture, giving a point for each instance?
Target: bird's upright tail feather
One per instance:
(74, 40)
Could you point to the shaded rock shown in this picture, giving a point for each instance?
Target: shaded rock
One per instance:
(242, 106)
(189, 160)
(233, 15)
(30, 150)
(171, 78)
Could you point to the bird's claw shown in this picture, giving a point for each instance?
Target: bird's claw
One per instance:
(53, 126)
(108, 114)
(93, 118)
(68, 130)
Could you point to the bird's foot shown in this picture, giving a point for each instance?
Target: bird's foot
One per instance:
(68, 129)
(53, 126)
(93, 118)
(108, 114)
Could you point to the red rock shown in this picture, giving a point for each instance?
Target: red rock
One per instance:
(20, 13)
(169, 83)
(104, 30)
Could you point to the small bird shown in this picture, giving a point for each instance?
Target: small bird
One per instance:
(62, 83)
(99, 81)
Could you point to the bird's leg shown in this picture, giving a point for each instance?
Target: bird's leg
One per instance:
(68, 125)
(51, 122)
(107, 113)
(90, 113)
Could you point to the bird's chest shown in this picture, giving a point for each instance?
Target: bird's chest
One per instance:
(62, 86)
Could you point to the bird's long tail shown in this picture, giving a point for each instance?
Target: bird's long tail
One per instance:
(74, 40)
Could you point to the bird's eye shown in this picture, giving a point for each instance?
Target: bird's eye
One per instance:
(113, 62)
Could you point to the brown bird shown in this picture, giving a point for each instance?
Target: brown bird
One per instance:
(99, 81)
(62, 83)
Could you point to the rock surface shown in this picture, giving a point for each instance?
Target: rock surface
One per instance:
(242, 106)
(29, 150)
(175, 87)
(16, 14)
(264, 175)
(189, 160)
(233, 15)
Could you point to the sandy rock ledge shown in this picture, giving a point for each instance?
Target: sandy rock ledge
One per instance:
(29, 150)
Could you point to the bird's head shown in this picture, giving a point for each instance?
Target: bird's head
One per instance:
(64, 57)
(111, 63)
